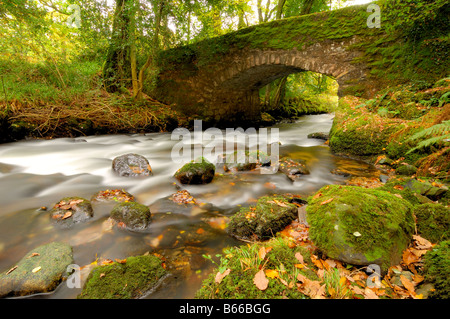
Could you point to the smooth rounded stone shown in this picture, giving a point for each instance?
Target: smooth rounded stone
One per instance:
(360, 226)
(240, 162)
(200, 171)
(319, 135)
(40, 270)
(293, 168)
(130, 278)
(70, 211)
(131, 215)
(262, 221)
(131, 165)
(112, 195)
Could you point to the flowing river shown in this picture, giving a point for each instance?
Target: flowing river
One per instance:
(38, 173)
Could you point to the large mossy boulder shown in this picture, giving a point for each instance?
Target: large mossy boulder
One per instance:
(199, 171)
(262, 221)
(245, 261)
(131, 165)
(433, 221)
(132, 215)
(360, 226)
(40, 270)
(128, 279)
(70, 211)
(437, 270)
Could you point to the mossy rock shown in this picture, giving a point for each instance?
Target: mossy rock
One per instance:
(127, 280)
(293, 168)
(262, 221)
(360, 226)
(238, 161)
(112, 195)
(70, 211)
(133, 215)
(199, 171)
(426, 189)
(238, 284)
(406, 170)
(437, 270)
(433, 222)
(40, 270)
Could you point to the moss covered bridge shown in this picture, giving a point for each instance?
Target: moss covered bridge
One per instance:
(219, 78)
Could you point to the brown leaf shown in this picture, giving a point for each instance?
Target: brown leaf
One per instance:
(262, 252)
(409, 257)
(260, 280)
(220, 276)
(408, 285)
(422, 243)
(370, 294)
(121, 261)
(11, 270)
(67, 215)
(327, 201)
(299, 257)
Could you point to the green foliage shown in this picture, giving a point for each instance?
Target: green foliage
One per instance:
(437, 266)
(433, 222)
(434, 135)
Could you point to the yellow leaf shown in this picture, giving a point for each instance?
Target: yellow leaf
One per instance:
(35, 270)
(271, 273)
(299, 266)
(342, 281)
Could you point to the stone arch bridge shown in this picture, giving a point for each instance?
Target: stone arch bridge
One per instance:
(219, 78)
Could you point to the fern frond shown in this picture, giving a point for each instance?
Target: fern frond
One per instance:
(428, 142)
(435, 130)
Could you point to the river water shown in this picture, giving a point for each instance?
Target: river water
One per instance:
(38, 173)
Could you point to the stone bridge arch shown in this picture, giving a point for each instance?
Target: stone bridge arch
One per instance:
(219, 79)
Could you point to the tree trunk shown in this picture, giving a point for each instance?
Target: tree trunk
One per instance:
(279, 95)
(154, 52)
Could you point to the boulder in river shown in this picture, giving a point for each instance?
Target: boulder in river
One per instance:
(240, 162)
(293, 168)
(131, 215)
(262, 221)
(124, 279)
(319, 135)
(200, 171)
(70, 211)
(360, 226)
(131, 165)
(40, 270)
(113, 195)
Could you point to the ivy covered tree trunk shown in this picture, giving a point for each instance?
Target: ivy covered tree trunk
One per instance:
(117, 68)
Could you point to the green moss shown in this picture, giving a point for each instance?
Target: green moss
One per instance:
(433, 222)
(134, 215)
(357, 133)
(199, 171)
(244, 262)
(437, 268)
(131, 279)
(360, 226)
(263, 220)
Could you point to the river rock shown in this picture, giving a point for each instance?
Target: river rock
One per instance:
(131, 215)
(293, 168)
(127, 279)
(433, 221)
(240, 162)
(262, 221)
(131, 165)
(40, 270)
(70, 211)
(113, 195)
(360, 226)
(426, 189)
(200, 171)
(319, 135)
(406, 169)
